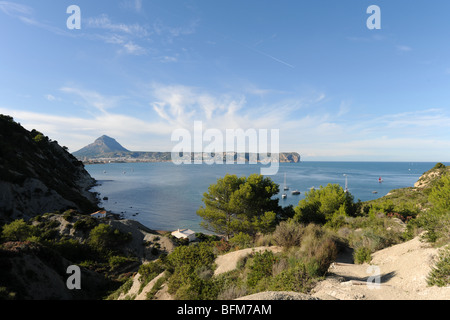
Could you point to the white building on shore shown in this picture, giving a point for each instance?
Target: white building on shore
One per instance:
(99, 214)
(184, 234)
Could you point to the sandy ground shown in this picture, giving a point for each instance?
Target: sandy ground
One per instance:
(395, 273)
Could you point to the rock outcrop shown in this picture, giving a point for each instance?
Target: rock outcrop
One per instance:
(38, 176)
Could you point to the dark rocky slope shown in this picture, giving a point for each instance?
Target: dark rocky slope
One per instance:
(38, 176)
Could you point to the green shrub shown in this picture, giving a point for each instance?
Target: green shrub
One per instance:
(39, 138)
(189, 264)
(436, 221)
(71, 249)
(157, 286)
(85, 224)
(320, 205)
(439, 165)
(6, 294)
(106, 237)
(232, 292)
(124, 288)
(261, 267)
(318, 250)
(68, 215)
(288, 234)
(440, 274)
(205, 237)
(242, 240)
(362, 255)
(116, 262)
(294, 279)
(18, 230)
(193, 256)
(149, 271)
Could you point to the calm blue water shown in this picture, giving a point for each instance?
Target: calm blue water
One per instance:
(164, 196)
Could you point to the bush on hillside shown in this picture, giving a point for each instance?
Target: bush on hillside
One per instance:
(242, 241)
(18, 230)
(288, 234)
(361, 255)
(320, 205)
(436, 221)
(440, 275)
(106, 237)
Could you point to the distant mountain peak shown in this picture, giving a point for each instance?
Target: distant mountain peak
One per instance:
(102, 145)
(111, 143)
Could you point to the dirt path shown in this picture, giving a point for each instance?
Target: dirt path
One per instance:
(395, 273)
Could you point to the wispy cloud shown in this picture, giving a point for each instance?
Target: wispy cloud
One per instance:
(104, 22)
(51, 97)
(93, 99)
(15, 9)
(135, 5)
(136, 38)
(26, 14)
(132, 48)
(403, 48)
(131, 38)
(169, 33)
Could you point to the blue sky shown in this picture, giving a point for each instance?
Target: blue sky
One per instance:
(139, 69)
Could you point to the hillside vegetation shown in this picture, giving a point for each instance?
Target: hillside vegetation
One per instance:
(35, 255)
(37, 175)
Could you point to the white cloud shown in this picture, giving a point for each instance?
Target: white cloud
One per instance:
(182, 105)
(132, 48)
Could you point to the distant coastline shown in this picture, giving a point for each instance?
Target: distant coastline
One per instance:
(107, 150)
(153, 157)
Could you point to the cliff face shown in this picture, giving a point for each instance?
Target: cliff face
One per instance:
(38, 176)
(290, 157)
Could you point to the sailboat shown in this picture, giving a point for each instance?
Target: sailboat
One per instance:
(285, 186)
(380, 180)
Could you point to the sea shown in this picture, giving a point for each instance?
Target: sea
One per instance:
(165, 196)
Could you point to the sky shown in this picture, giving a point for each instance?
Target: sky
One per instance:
(137, 70)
